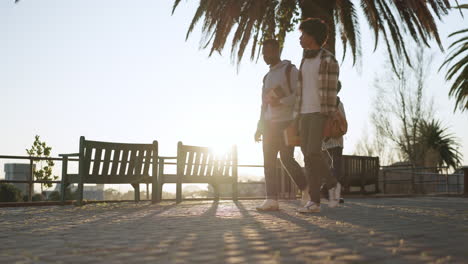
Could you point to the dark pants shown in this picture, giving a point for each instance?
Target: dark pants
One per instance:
(335, 161)
(273, 142)
(311, 130)
(337, 157)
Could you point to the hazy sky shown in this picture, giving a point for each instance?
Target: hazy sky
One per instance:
(121, 70)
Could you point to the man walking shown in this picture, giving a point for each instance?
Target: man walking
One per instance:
(278, 100)
(317, 93)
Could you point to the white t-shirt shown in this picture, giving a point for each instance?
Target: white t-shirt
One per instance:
(310, 85)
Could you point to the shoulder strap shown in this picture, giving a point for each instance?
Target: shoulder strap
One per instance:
(288, 77)
(301, 87)
(264, 78)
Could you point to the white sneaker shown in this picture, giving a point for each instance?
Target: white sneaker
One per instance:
(334, 196)
(268, 205)
(305, 196)
(310, 207)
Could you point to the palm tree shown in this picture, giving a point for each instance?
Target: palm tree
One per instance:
(263, 19)
(438, 148)
(459, 88)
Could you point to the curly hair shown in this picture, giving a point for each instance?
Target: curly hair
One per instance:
(316, 28)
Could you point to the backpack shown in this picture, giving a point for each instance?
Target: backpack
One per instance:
(288, 77)
(336, 125)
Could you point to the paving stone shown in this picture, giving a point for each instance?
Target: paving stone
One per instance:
(385, 230)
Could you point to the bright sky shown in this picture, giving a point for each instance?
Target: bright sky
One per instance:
(121, 70)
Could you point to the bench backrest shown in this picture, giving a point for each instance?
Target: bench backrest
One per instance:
(359, 169)
(109, 159)
(203, 162)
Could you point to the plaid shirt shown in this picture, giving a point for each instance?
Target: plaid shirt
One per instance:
(329, 71)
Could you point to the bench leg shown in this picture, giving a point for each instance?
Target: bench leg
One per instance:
(160, 190)
(216, 188)
(155, 192)
(136, 188)
(63, 188)
(80, 193)
(179, 193)
(234, 191)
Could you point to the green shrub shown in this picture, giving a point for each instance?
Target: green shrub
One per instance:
(54, 196)
(38, 197)
(9, 193)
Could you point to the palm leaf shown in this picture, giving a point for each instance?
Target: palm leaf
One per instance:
(349, 27)
(459, 88)
(244, 20)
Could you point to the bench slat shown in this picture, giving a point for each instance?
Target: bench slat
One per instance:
(227, 164)
(115, 161)
(189, 163)
(139, 162)
(171, 178)
(87, 160)
(203, 164)
(110, 180)
(105, 162)
(147, 162)
(123, 162)
(132, 162)
(97, 162)
(210, 165)
(197, 161)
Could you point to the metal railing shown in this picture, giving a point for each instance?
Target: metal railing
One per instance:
(421, 180)
(30, 181)
(415, 180)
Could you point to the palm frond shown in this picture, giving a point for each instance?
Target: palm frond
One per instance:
(414, 17)
(432, 135)
(246, 20)
(458, 58)
(176, 3)
(348, 22)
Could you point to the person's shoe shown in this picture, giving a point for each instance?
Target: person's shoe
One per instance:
(341, 200)
(305, 196)
(268, 205)
(310, 207)
(334, 196)
(324, 192)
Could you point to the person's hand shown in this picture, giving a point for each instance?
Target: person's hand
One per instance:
(273, 101)
(257, 136)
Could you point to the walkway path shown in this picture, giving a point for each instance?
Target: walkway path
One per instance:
(385, 230)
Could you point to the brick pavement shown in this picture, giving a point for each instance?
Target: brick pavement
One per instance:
(386, 230)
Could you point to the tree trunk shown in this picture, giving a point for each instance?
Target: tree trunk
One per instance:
(322, 9)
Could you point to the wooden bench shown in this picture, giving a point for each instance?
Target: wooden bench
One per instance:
(360, 171)
(200, 165)
(112, 163)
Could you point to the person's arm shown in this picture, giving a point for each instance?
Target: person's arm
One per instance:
(328, 78)
(291, 98)
(261, 121)
(341, 109)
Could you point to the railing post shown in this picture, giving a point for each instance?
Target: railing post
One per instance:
(465, 189)
(447, 181)
(376, 175)
(413, 187)
(384, 181)
(160, 179)
(31, 179)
